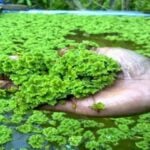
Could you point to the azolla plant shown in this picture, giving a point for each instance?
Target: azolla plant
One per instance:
(42, 66)
(48, 78)
(5, 134)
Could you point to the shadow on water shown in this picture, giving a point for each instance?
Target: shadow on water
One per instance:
(126, 145)
(101, 39)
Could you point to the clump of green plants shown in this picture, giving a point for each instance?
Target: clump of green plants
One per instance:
(5, 134)
(46, 79)
(98, 106)
(86, 71)
(36, 141)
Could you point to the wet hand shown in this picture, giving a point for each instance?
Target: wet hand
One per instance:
(129, 95)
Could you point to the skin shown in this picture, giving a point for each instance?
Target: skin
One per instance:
(129, 95)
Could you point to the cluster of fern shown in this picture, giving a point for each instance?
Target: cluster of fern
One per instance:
(39, 75)
(47, 78)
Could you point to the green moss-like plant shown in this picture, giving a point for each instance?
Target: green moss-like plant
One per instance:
(36, 141)
(5, 134)
(38, 117)
(75, 140)
(32, 56)
(98, 106)
(46, 79)
(25, 128)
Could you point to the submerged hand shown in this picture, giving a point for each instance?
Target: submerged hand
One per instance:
(129, 95)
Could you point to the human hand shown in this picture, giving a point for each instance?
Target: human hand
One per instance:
(129, 95)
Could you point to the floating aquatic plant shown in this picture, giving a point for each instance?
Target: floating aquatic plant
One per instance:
(38, 45)
(5, 134)
(98, 106)
(46, 79)
(36, 141)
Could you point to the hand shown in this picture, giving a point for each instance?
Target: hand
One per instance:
(129, 95)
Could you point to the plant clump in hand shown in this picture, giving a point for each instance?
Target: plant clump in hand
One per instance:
(85, 72)
(45, 80)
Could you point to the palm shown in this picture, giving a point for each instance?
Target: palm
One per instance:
(129, 95)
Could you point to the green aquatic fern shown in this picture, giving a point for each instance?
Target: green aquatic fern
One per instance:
(98, 106)
(36, 141)
(25, 128)
(38, 118)
(5, 134)
(92, 145)
(31, 58)
(46, 79)
(75, 140)
(2, 93)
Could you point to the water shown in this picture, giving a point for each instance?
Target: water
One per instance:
(19, 140)
(85, 12)
(101, 40)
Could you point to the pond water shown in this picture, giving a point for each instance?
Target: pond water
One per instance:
(83, 12)
(101, 40)
(19, 140)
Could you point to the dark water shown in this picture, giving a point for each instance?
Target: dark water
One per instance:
(101, 40)
(19, 140)
(77, 12)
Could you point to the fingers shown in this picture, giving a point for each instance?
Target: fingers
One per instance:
(123, 99)
(134, 66)
(80, 107)
(5, 84)
(128, 96)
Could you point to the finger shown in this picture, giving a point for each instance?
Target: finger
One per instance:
(133, 65)
(80, 107)
(120, 100)
(5, 84)
(127, 98)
